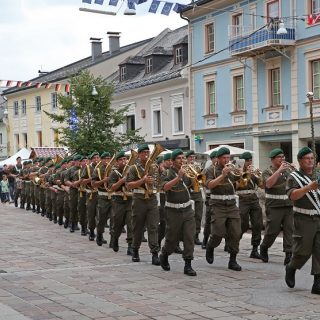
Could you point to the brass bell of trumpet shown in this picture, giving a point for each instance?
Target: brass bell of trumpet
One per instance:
(192, 173)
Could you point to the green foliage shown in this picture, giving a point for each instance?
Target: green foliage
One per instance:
(88, 123)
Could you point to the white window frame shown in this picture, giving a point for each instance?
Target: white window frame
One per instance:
(178, 55)
(15, 108)
(253, 17)
(315, 6)
(123, 73)
(131, 112)
(54, 101)
(149, 65)
(156, 105)
(272, 92)
(24, 107)
(176, 103)
(315, 88)
(208, 97)
(236, 107)
(279, 8)
(237, 28)
(207, 43)
(38, 103)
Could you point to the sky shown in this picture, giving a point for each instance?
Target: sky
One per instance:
(49, 34)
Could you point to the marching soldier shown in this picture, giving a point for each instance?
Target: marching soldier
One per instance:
(59, 190)
(66, 208)
(196, 196)
(48, 201)
(249, 204)
(278, 205)
(100, 181)
(207, 223)
(145, 207)
(27, 183)
(303, 190)
(180, 215)
(121, 203)
(43, 170)
(225, 217)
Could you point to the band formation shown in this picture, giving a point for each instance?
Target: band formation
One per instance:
(165, 196)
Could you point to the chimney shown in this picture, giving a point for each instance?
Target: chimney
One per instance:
(114, 43)
(96, 48)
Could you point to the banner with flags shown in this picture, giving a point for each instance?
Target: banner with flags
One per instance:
(154, 6)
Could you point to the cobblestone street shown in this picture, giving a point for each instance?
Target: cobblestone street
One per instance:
(49, 273)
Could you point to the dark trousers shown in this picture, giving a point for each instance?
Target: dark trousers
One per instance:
(104, 212)
(59, 204)
(92, 202)
(180, 222)
(198, 209)
(82, 209)
(73, 205)
(66, 209)
(277, 217)
(145, 213)
(48, 201)
(207, 222)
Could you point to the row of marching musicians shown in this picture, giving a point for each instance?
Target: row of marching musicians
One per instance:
(127, 193)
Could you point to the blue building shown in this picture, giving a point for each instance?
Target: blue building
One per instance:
(252, 64)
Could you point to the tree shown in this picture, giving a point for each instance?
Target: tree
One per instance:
(88, 122)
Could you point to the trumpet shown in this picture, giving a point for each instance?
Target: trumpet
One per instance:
(254, 171)
(236, 170)
(193, 171)
(291, 167)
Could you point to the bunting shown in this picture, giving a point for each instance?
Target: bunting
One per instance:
(99, 2)
(154, 6)
(113, 3)
(87, 1)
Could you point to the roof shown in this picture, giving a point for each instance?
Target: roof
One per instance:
(45, 152)
(191, 5)
(75, 67)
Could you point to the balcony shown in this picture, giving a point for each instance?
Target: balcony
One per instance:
(246, 42)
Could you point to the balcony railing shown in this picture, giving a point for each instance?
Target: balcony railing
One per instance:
(244, 41)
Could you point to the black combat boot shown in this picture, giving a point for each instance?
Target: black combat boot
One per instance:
(316, 284)
(164, 262)
(60, 221)
(254, 253)
(49, 215)
(83, 230)
(188, 269)
(233, 265)
(155, 259)
(72, 227)
(66, 223)
(178, 249)
(43, 213)
(115, 245)
(209, 255)
(197, 240)
(287, 258)
(28, 207)
(92, 235)
(76, 227)
(111, 242)
(33, 208)
(290, 276)
(129, 250)
(99, 239)
(38, 210)
(21, 205)
(264, 253)
(16, 203)
(204, 242)
(135, 255)
(55, 220)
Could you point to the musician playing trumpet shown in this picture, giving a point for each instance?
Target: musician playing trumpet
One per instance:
(303, 190)
(249, 203)
(278, 205)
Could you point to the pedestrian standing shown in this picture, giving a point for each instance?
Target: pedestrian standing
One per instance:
(4, 189)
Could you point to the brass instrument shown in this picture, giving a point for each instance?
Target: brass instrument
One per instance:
(291, 166)
(194, 172)
(150, 169)
(236, 169)
(107, 173)
(244, 179)
(130, 162)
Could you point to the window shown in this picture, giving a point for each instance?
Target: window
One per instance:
(316, 79)
(273, 9)
(237, 24)
(157, 122)
(25, 140)
(149, 65)
(315, 6)
(24, 106)
(209, 37)
(178, 55)
(17, 141)
(39, 136)
(131, 123)
(15, 108)
(123, 73)
(177, 114)
(54, 101)
(275, 86)
(55, 137)
(1, 138)
(38, 103)
(253, 17)
(211, 97)
(238, 93)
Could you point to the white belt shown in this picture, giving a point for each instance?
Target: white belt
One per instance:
(138, 191)
(245, 191)
(178, 205)
(277, 196)
(27, 181)
(223, 197)
(103, 193)
(90, 191)
(57, 187)
(310, 212)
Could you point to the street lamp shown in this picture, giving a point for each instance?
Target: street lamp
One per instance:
(313, 142)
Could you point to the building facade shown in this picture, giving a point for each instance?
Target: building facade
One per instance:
(248, 80)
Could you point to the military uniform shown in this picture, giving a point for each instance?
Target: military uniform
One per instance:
(66, 209)
(26, 186)
(82, 209)
(43, 170)
(59, 195)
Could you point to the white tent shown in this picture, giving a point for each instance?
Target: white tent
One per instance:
(233, 150)
(151, 147)
(23, 153)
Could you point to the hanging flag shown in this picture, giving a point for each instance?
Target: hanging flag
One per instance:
(38, 85)
(9, 83)
(86, 1)
(57, 87)
(67, 88)
(178, 7)
(98, 2)
(131, 4)
(166, 8)
(28, 84)
(313, 19)
(19, 84)
(47, 85)
(154, 6)
(140, 1)
(113, 3)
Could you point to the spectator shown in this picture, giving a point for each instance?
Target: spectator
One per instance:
(4, 189)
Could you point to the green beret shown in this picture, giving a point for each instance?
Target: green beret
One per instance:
(275, 152)
(246, 156)
(143, 147)
(167, 156)
(84, 158)
(77, 157)
(48, 159)
(302, 152)
(69, 159)
(95, 153)
(213, 154)
(29, 161)
(120, 154)
(25, 163)
(57, 166)
(222, 151)
(176, 153)
(189, 153)
(105, 154)
(65, 160)
(159, 159)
